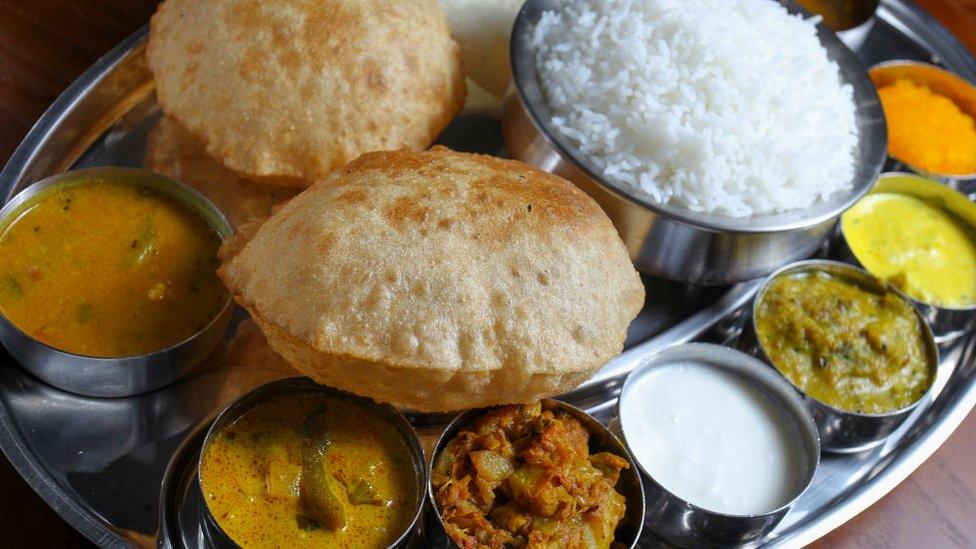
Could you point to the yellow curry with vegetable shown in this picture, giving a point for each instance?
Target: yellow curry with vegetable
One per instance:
(521, 476)
(108, 269)
(310, 471)
(846, 345)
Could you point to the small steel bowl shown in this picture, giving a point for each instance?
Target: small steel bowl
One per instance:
(841, 431)
(601, 440)
(852, 20)
(211, 530)
(946, 323)
(682, 523)
(129, 375)
(941, 81)
(673, 242)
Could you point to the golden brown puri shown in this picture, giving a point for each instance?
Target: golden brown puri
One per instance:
(438, 280)
(249, 349)
(292, 89)
(173, 152)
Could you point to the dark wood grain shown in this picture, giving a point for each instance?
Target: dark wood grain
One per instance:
(45, 44)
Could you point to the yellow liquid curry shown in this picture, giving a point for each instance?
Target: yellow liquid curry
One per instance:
(108, 269)
(917, 246)
(310, 471)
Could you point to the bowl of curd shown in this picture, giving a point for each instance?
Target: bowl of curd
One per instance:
(725, 445)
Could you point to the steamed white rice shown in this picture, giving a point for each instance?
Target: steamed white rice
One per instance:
(725, 106)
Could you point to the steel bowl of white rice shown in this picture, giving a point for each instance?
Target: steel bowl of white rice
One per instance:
(723, 137)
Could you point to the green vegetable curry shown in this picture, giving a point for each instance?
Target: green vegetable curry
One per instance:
(845, 345)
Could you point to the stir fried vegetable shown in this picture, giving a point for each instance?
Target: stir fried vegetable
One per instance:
(524, 477)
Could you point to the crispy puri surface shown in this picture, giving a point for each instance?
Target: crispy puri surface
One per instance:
(294, 89)
(439, 280)
(173, 152)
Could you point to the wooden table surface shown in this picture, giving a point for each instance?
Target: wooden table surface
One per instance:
(46, 44)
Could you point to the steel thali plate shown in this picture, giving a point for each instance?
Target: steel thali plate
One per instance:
(101, 463)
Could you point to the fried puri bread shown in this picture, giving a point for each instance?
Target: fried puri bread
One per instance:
(288, 90)
(173, 152)
(438, 280)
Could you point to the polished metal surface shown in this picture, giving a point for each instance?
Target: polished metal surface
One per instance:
(628, 533)
(682, 522)
(300, 386)
(673, 242)
(842, 15)
(843, 431)
(854, 38)
(129, 375)
(121, 470)
(946, 323)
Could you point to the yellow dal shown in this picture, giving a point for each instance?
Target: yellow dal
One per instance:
(251, 474)
(108, 269)
(917, 246)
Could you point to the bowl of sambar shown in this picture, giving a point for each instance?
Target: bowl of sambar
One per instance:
(297, 464)
(107, 280)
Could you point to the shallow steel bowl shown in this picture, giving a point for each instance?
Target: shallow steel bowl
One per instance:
(683, 523)
(673, 242)
(842, 431)
(943, 82)
(852, 20)
(215, 535)
(129, 375)
(946, 323)
(628, 532)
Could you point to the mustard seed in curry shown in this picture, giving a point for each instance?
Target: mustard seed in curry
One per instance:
(521, 476)
(310, 471)
(846, 345)
(108, 269)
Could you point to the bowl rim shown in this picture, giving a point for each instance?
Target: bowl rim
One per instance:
(200, 205)
(850, 271)
(798, 410)
(871, 144)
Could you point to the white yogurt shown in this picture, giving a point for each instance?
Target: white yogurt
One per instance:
(713, 438)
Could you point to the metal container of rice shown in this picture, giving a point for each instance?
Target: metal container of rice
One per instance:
(695, 197)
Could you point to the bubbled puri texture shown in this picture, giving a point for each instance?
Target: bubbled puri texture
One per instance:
(172, 151)
(438, 281)
(289, 90)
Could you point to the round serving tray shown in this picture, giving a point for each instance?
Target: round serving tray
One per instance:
(117, 469)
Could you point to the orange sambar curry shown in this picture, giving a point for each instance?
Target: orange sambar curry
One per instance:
(310, 471)
(108, 269)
